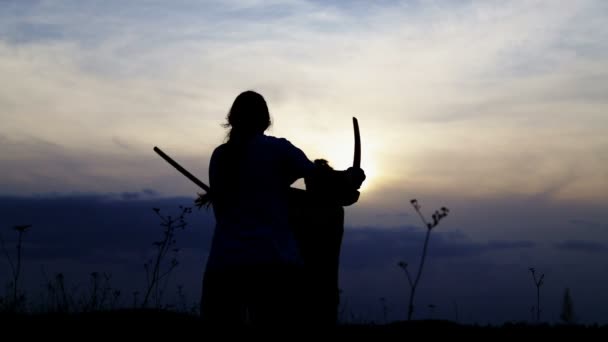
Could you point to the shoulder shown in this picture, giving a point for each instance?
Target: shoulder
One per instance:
(219, 149)
(293, 155)
(218, 152)
(278, 142)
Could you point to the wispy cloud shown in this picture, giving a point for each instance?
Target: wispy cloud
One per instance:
(465, 97)
(35, 166)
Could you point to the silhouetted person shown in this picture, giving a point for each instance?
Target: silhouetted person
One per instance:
(317, 217)
(255, 269)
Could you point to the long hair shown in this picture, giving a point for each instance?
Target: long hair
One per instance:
(247, 117)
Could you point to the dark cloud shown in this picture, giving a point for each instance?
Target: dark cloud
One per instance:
(500, 244)
(87, 227)
(582, 246)
(145, 193)
(79, 234)
(375, 247)
(150, 192)
(105, 227)
(588, 224)
(130, 195)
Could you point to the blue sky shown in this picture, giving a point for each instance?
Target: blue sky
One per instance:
(496, 109)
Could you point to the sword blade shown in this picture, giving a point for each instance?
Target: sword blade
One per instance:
(357, 156)
(182, 170)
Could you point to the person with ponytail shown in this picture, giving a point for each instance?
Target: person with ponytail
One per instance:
(254, 264)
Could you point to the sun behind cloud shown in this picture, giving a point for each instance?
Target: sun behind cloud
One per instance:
(339, 152)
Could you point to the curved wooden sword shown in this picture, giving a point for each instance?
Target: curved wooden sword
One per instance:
(357, 156)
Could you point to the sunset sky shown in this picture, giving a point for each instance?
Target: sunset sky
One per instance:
(495, 109)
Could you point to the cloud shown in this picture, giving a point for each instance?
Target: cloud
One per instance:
(150, 192)
(582, 246)
(459, 104)
(463, 97)
(497, 245)
(144, 194)
(33, 166)
(392, 215)
(375, 247)
(99, 227)
(588, 224)
(85, 226)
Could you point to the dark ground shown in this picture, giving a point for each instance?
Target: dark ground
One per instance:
(152, 323)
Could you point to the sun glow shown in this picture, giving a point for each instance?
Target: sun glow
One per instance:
(340, 157)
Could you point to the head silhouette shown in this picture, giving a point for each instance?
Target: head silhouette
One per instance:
(248, 116)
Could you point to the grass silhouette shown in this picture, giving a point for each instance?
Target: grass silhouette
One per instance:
(17, 299)
(156, 270)
(538, 283)
(413, 283)
(100, 303)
